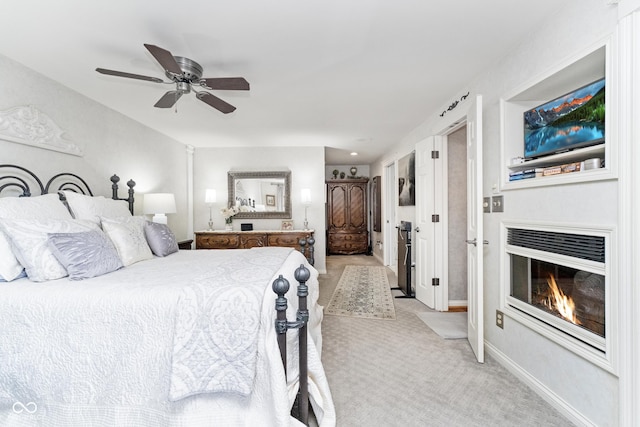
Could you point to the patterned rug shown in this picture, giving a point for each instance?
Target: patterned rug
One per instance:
(363, 291)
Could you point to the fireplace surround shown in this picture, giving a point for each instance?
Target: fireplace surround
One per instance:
(558, 281)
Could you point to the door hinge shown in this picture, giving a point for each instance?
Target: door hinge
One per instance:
(435, 154)
(435, 218)
(435, 281)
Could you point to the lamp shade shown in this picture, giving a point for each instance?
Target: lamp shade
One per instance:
(159, 204)
(210, 196)
(306, 196)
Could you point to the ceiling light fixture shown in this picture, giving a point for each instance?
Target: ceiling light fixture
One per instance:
(353, 153)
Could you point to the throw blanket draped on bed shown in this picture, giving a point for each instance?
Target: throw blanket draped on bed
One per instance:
(217, 322)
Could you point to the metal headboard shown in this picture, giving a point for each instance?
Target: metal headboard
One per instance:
(22, 180)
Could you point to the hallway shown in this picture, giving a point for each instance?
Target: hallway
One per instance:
(400, 373)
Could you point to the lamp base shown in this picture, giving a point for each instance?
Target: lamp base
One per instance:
(159, 218)
(210, 226)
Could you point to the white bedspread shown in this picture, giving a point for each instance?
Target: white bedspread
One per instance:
(103, 351)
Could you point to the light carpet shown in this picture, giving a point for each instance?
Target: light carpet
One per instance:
(363, 291)
(449, 325)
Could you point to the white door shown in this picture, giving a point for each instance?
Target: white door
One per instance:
(425, 241)
(475, 236)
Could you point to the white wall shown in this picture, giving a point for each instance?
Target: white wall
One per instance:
(307, 171)
(587, 393)
(111, 142)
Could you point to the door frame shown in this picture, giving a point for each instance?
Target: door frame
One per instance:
(462, 118)
(389, 214)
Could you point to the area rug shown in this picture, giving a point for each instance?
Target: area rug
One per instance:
(449, 325)
(363, 291)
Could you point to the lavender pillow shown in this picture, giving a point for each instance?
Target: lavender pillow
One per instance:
(160, 238)
(86, 254)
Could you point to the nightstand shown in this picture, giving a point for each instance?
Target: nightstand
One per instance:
(185, 245)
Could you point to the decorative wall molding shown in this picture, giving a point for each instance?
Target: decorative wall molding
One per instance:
(454, 104)
(30, 126)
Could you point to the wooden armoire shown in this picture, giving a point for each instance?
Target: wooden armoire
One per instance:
(347, 216)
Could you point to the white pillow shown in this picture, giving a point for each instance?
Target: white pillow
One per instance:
(29, 237)
(10, 268)
(93, 208)
(127, 235)
(39, 207)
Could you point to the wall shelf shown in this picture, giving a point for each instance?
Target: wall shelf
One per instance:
(577, 71)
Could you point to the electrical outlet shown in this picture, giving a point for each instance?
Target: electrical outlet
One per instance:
(497, 204)
(499, 319)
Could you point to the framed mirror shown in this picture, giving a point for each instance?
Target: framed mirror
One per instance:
(260, 194)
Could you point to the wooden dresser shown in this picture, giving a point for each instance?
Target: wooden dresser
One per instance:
(221, 239)
(347, 216)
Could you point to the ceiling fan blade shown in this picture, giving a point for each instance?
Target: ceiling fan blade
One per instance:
(226, 83)
(169, 99)
(215, 102)
(165, 58)
(128, 75)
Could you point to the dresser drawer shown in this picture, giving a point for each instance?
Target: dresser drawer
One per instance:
(217, 241)
(290, 240)
(348, 243)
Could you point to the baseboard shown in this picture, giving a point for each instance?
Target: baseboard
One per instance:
(457, 305)
(540, 389)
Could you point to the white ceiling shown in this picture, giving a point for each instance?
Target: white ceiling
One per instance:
(350, 75)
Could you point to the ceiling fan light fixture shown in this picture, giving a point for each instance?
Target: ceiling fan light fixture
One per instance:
(183, 87)
(183, 72)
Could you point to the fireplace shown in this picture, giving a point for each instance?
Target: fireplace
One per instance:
(557, 281)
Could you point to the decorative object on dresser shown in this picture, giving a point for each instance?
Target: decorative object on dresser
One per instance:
(287, 224)
(210, 198)
(347, 216)
(354, 171)
(228, 214)
(302, 240)
(159, 204)
(306, 201)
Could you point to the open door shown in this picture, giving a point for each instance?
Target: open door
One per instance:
(475, 236)
(424, 240)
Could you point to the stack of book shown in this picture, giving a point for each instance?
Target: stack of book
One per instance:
(548, 171)
(525, 174)
(567, 168)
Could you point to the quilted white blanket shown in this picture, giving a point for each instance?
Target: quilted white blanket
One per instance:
(185, 340)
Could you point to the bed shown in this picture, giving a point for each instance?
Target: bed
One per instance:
(149, 336)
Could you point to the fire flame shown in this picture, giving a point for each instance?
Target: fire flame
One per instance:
(558, 301)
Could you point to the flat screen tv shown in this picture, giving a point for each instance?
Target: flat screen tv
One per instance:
(568, 122)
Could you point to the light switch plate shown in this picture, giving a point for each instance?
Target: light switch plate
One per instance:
(497, 204)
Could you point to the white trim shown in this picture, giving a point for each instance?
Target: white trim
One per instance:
(628, 66)
(538, 387)
(190, 151)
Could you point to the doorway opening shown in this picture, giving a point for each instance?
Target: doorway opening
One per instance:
(456, 208)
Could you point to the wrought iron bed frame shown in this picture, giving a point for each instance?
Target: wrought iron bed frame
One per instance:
(72, 182)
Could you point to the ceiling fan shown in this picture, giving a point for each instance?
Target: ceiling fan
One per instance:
(185, 73)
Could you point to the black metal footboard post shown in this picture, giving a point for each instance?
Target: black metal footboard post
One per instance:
(280, 287)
